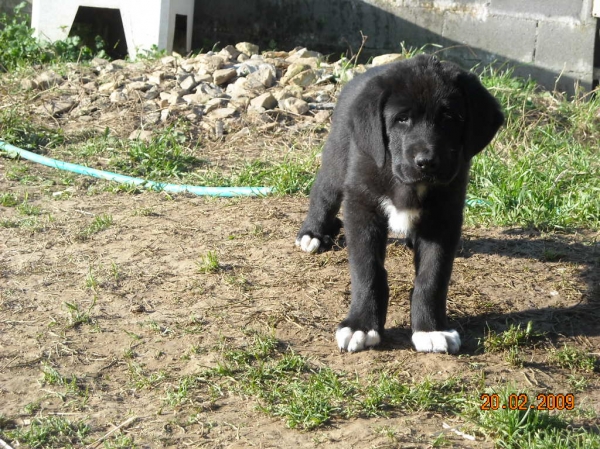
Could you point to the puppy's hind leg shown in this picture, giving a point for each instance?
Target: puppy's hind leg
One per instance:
(321, 225)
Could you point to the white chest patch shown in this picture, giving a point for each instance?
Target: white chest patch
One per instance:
(399, 221)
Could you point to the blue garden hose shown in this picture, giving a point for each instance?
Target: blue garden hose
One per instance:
(144, 183)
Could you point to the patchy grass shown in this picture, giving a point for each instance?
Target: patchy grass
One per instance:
(511, 338)
(573, 358)
(289, 386)
(542, 169)
(51, 432)
(98, 224)
(209, 263)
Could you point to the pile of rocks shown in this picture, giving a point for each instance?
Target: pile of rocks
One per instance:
(211, 89)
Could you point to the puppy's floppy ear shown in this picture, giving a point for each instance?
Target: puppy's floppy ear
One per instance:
(484, 116)
(368, 127)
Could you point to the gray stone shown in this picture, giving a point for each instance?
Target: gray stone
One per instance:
(172, 98)
(188, 83)
(386, 59)
(209, 89)
(208, 64)
(204, 78)
(48, 79)
(222, 113)
(196, 98)
(303, 53)
(139, 85)
(28, 84)
(156, 77)
(303, 79)
(230, 52)
(215, 103)
(151, 118)
(141, 134)
(247, 48)
(151, 94)
(243, 87)
(107, 87)
(223, 76)
(265, 101)
(59, 107)
(265, 74)
(169, 61)
(118, 97)
(293, 70)
(294, 105)
(90, 87)
(312, 62)
(113, 67)
(99, 61)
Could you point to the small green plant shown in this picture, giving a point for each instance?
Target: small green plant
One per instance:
(29, 209)
(32, 408)
(50, 432)
(513, 357)
(209, 263)
(573, 358)
(143, 379)
(151, 54)
(50, 376)
(91, 281)
(8, 200)
(100, 223)
(77, 316)
(578, 383)
(121, 441)
(513, 337)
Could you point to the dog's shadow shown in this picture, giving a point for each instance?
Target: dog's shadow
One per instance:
(581, 319)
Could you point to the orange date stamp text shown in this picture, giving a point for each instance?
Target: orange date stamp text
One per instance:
(520, 401)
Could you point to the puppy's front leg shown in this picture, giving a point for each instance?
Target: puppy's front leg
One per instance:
(433, 264)
(366, 236)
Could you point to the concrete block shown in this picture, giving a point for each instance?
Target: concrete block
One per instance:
(563, 46)
(543, 8)
(486, 40)
(568, 82)
(145, 23)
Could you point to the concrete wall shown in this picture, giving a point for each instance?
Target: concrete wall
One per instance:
(553, 41)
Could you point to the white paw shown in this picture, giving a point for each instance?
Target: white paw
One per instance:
(438, 341)
(308, 244)
(354, 341)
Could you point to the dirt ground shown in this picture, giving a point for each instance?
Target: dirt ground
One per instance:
(138, 280)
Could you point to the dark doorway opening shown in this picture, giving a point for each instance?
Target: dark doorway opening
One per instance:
(103, 23)
(180, 36)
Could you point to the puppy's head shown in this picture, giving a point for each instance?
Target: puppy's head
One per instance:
(425, 118)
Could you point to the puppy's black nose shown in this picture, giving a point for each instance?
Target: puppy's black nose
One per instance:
(425, 163)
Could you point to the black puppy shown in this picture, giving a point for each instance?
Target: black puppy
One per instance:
(398, 156)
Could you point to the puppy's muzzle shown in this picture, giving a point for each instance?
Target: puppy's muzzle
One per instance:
(426, 164)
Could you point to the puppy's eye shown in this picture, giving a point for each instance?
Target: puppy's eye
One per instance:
(448, 116)
(403, 117)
